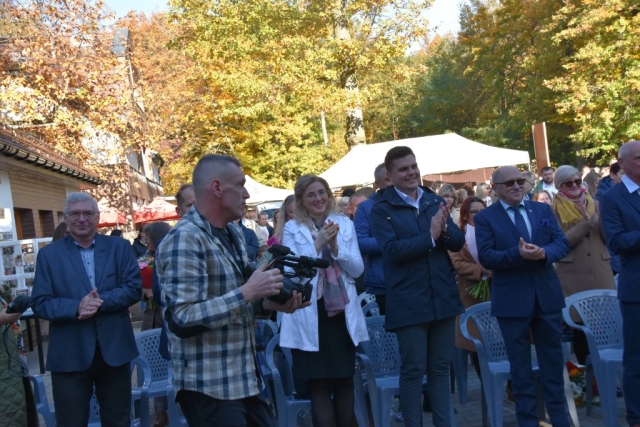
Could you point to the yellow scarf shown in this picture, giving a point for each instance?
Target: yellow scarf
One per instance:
(566, 209)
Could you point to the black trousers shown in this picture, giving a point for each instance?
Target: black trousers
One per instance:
(72, 393)
(201, 410)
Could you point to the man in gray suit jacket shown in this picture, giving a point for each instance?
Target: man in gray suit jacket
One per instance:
(84, 285)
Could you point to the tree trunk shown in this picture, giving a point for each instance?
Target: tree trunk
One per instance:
(355, 121)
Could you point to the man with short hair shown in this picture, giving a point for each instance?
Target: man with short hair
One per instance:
(84, 286)
(413, 227)
(547, 182)
(185, 198)
(620, 216)
(519, 241)
(354, 202)
(372, 254)
(264, 230)
(530, 182)
(250, 221)
(210, 297)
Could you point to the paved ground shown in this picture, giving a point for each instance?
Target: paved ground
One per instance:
(469, 415)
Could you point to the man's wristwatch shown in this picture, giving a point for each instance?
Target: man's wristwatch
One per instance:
(446, 227)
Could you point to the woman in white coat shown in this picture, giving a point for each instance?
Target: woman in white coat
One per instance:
(323, 337)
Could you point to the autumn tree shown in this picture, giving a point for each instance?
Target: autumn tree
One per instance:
(601, 80)
(62, 82)
(263, 72)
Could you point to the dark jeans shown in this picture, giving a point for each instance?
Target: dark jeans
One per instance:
(426, 347)
(72, 393)
(201, 410)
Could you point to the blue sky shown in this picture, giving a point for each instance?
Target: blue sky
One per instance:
(443, 14)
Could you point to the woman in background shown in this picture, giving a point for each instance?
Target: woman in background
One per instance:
(542, 196)
(323, 337)
(586, 267)
(469, 271)
(448, 193)
(284, 214)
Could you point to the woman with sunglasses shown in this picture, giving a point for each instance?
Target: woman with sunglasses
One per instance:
(469, 272)
(586, 266)
(323, 337)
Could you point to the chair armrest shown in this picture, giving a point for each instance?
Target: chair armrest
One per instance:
(369, 374)
(143, 366)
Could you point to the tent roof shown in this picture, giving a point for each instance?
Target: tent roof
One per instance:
(259, 193)
(157, 210)
(435, 154)
(110, 216)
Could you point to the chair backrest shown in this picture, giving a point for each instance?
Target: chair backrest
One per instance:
(600, 312)
(382, 347)
(265, 331)
(491, 344)
(148, 343)
(371, 309)
(365, 298)
(280, 362)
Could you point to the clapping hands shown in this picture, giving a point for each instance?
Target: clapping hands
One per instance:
(327, 235)
(530, 251)
(89, 305)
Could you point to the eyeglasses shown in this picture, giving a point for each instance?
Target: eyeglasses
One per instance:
(570, 184)
(511, 182)
(87, 214)
(311, 196)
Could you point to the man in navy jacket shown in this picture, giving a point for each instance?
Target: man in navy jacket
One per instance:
(369, 248)
(412, 226)
(519, 241)
(620, 215)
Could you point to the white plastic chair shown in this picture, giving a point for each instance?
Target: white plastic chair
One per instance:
(602, 324)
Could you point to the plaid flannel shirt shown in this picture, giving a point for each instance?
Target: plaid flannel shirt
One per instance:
(200, 284)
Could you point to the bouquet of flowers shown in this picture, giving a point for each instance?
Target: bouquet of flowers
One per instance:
(480, 290)
(146, 272)
(578, 379)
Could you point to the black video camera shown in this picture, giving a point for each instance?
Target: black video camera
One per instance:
(304, 269)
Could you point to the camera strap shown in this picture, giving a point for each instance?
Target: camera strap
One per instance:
(225, 235)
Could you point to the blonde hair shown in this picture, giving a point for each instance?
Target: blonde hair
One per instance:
(302, 216)
(281, 216)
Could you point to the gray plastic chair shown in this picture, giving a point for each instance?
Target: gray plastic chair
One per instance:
(492, 355)
(602, 325)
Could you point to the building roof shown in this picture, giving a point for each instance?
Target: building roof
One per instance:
(30, 149)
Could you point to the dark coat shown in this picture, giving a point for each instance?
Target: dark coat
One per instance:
(516, 282)
(620, 213)
(369, 248)
(251, 240)
(421, 282)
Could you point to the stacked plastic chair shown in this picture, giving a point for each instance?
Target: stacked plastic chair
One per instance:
(602, 325)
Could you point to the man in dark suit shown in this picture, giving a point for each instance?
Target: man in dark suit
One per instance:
(519, 241)
(84, 285)
(620, 216)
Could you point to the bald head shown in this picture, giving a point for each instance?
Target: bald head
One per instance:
(626, 149)
(500, 173)
(212, 167)
(629, 160)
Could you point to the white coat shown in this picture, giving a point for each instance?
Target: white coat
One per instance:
(300, 329)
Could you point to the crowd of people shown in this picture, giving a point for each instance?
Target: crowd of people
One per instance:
(426, 253)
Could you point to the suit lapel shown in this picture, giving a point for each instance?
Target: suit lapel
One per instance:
(76, 261)
(632, 198)
(532, 215)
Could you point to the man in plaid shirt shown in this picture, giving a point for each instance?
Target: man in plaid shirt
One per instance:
(210, 299)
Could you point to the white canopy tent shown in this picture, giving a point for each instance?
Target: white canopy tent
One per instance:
(435, 154)
(259, 193)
